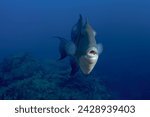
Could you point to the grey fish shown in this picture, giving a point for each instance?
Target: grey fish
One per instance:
(82, 47)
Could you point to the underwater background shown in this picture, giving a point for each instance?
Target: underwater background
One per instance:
(28, 54)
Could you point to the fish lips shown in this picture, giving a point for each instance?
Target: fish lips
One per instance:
(87, 63)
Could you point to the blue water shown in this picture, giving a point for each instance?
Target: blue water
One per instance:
(123, 27)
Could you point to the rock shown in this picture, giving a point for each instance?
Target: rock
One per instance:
(24, 77)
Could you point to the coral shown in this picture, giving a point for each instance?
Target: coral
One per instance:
(24, 77)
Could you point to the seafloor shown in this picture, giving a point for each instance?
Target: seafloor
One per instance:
(25, 77)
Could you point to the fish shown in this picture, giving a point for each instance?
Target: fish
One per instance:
(82, 48)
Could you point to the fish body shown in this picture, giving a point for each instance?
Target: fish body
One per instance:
(82, 47)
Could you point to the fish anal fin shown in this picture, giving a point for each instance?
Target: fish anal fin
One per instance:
(74, 67)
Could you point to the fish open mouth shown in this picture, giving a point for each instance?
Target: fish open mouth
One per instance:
(92, 52)
(91, 56)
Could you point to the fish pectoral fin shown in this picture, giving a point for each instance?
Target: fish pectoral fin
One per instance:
(66, 48)
(70, 48)
(99, 48)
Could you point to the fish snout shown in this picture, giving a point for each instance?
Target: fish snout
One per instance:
(88, 61)
(92, 55)
(92, 52)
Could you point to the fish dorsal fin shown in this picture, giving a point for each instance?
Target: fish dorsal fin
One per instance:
(87, 26)
(87, 29)
(87, 21)
(75, 32)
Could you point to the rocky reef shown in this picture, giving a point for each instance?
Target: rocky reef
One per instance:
(24, 77)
